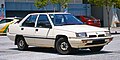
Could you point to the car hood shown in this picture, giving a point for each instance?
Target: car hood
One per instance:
(80, 28)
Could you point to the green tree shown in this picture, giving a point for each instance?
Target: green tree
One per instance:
(43, 3)
(62, 3)
(107, 4)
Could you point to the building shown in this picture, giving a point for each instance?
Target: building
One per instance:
(21, 8)
(2, 10)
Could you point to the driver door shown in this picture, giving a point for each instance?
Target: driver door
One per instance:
(42, 31)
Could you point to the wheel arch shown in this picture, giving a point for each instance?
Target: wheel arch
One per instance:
(59, 36)
(16, 38)
(58, 43)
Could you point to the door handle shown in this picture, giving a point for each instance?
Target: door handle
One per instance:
(22, 28)
(36, 29)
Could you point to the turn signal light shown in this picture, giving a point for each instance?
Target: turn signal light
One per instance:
(110, 39)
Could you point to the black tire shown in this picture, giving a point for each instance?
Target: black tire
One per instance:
(96, 49)
(21, 44)
(62, 46)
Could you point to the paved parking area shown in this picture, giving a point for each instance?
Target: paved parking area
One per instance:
(8, 51)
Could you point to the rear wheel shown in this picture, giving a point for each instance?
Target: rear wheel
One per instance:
(21, 44)
(96, 49)
(63, 46)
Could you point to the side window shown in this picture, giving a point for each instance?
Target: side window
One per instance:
(30, 21)
(43, 21)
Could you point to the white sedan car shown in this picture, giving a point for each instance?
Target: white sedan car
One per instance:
(61, 31)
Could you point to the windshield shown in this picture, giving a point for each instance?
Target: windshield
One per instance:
(64, 19)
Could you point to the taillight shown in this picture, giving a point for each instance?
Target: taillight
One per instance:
(90, 21)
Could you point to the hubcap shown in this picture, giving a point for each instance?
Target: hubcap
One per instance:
(64, 46)
(21, 43)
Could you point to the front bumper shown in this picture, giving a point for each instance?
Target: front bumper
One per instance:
(89, 42)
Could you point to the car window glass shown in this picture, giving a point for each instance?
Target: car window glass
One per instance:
(64, 19)
(5, 21)
(30, 21)
(43, 21)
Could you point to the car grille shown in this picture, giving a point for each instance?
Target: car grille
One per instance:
(101, 35)
(92, 36)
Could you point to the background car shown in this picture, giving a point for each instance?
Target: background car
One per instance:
(89, 20)
(4, 23)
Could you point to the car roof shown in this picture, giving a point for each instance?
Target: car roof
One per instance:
(50, 13)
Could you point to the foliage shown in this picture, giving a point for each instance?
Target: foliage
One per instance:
(54, 1)
(41, 3)
(117, 4)
(109, 3)
(63, 3)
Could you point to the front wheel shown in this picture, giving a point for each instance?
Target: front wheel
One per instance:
(96, 49)
(63, 46)
(21, 44)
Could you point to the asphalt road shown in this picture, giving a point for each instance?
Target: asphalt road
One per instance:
(8, 51)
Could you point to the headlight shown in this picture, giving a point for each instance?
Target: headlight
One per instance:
(82, 35)
(107, 33)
